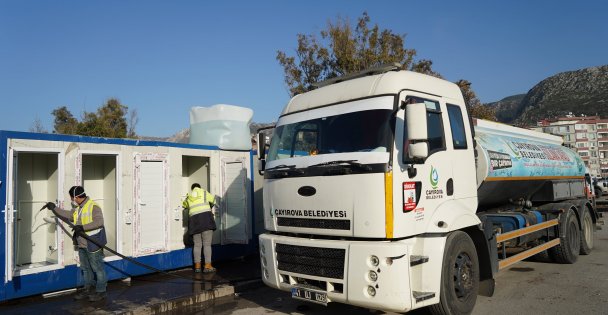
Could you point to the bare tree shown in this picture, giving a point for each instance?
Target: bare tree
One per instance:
(37, 126)
(133, 120)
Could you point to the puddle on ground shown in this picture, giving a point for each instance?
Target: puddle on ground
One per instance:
(521, 269)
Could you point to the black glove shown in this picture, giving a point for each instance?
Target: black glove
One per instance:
(78, 230)
(51, 206)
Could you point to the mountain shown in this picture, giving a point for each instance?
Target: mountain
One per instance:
(507, 107)
(578, 92)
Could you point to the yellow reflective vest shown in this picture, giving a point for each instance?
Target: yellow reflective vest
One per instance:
(86, 215)
(198, 201)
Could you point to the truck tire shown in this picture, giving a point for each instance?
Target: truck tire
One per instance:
(569, 235)
(459, 276)
(587, 232)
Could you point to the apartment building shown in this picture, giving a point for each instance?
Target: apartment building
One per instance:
(588, 135)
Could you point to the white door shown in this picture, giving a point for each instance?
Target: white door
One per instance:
(8, 217)
(234, 204)
(151, 210)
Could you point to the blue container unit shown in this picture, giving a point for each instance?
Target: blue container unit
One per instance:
(138, 184)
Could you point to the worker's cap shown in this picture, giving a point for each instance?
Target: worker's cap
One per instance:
(76, 191)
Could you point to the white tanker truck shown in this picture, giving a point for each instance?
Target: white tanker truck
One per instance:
(381, 192)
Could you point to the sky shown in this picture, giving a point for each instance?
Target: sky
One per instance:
(163, 57)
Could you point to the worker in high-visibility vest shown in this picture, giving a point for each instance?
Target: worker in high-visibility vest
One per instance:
(201, 224)
(87, 218)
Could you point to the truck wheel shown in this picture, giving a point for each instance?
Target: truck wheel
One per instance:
(587, 232)
(569, 235)
(459, 276)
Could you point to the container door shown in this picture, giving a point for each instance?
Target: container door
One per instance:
(234, 204)
(9, 216)
(151, 210)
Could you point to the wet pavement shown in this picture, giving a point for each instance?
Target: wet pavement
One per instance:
(151, 294)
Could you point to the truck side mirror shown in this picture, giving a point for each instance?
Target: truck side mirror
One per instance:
(417, 134)
(415, 115)
(261, 146)
(418, 150)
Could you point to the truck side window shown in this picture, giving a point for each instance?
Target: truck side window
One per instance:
(459, 138)
(435, 131)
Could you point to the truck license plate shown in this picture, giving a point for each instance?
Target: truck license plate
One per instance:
(309, 295)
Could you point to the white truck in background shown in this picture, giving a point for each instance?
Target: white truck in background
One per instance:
(381, 192)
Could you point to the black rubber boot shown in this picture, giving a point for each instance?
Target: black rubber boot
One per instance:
(97, 296)
(83, 293)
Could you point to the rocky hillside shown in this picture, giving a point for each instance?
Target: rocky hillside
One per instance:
(507, 107)
(578, 92)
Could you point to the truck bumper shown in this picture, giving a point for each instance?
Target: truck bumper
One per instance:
(343, 269)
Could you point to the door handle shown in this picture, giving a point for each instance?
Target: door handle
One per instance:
(142, 204)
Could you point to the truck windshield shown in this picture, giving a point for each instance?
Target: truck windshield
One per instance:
(363, 131)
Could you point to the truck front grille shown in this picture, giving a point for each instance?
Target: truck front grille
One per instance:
(313, 261)
(315, 223)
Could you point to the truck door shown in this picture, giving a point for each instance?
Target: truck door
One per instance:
(421, 186)
(460, 142)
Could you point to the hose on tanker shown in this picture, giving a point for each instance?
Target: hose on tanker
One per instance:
(85, 236)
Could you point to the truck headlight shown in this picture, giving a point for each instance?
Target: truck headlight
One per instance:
(371, 291)
(373, 276)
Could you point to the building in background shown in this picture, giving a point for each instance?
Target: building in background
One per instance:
(588, 135)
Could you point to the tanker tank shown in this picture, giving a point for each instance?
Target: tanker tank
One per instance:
(514, 163)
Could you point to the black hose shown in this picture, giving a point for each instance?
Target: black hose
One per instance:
(84, 235)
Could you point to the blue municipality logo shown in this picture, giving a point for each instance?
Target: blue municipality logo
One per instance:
(434, 176)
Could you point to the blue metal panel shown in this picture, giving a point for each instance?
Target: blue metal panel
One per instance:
(539, 217)
(71, 138)
(508, 222)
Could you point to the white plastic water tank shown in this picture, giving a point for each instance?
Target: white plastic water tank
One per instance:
(221, 125)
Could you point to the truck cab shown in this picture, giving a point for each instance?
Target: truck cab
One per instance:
(352, 182)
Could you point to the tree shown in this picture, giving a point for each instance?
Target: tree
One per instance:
(474, 106)
(345, 49)
(109, 121)
(65, 123)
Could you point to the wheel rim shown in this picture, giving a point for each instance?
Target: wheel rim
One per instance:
(588, 231)
(463, 275)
